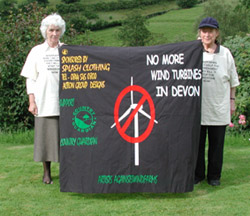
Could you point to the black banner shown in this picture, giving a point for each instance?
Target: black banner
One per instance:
(129, 118)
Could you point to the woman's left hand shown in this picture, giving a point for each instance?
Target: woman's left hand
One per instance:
(232, 106)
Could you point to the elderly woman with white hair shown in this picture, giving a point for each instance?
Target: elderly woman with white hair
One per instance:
(41, 70)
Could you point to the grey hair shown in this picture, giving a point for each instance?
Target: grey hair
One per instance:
(53, 19)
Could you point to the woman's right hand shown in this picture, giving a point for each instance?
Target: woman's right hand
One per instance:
(32, 107)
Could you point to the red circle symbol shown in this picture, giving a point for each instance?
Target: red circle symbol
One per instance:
(122, 129)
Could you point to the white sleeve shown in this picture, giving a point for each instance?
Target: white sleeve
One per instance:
(29, 69)
(234, 79)
(30, 86)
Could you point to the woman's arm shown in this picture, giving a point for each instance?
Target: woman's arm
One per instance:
(32, 105)
(232, 100)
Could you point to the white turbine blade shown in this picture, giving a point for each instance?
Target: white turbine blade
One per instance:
(147, 115)
(123, 116)
(132, 97)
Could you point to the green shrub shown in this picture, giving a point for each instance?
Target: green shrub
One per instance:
(186, 3)
(245, 3)
(70, 1)
(124, 4)
(40, 2)
(90, 14)
(70, 8)
(240, 48)
(18, 35)
(134, 31)
(6, 7)
(79, 23)
(82, 39)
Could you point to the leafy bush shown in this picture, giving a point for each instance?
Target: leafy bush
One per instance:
(133, 31)
(240, 48)
(238, 125)
(6, 7)
(122, 4)
(70, 8)
(90, 14)
(245, 3)
(79, 23)
(82, 39)
(186, 3)
(40, 2)
(70, 1)
(18, 34)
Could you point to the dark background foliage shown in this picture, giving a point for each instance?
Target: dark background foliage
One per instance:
(186, 3)
(15, 40)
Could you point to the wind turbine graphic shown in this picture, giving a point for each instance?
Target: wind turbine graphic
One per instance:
(136, 122)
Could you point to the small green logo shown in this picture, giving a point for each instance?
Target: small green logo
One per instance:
(84, 119)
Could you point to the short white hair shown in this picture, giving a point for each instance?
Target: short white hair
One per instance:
(53, 19)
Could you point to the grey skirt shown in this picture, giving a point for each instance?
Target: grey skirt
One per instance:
(46, 141)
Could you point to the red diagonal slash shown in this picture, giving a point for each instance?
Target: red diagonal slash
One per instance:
(132, 115)
(122, 130)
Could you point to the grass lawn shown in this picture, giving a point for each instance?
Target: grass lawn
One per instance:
(23, 193)
(176, 25)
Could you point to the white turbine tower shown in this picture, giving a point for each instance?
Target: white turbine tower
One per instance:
(136, 122)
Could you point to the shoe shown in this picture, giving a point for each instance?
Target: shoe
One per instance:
(214, 182)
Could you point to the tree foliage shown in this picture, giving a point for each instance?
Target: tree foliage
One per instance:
(186, 3)
(245, 3)
(70, 1)
(240, 48)
(123, 4)
(133, 31)
(6, 7)
(18, 35)
(40, 2)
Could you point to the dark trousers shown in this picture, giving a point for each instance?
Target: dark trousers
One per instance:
(216, 136)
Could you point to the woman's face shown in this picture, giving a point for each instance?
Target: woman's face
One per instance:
(53, 34)
(208, 35)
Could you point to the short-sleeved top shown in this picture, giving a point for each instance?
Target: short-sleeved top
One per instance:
(42, 67)
(218, 77)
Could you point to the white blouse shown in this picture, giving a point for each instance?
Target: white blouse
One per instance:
(41, 69)
(218, 77)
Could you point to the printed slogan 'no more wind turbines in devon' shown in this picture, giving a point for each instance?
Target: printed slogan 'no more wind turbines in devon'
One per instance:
(132, 113)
